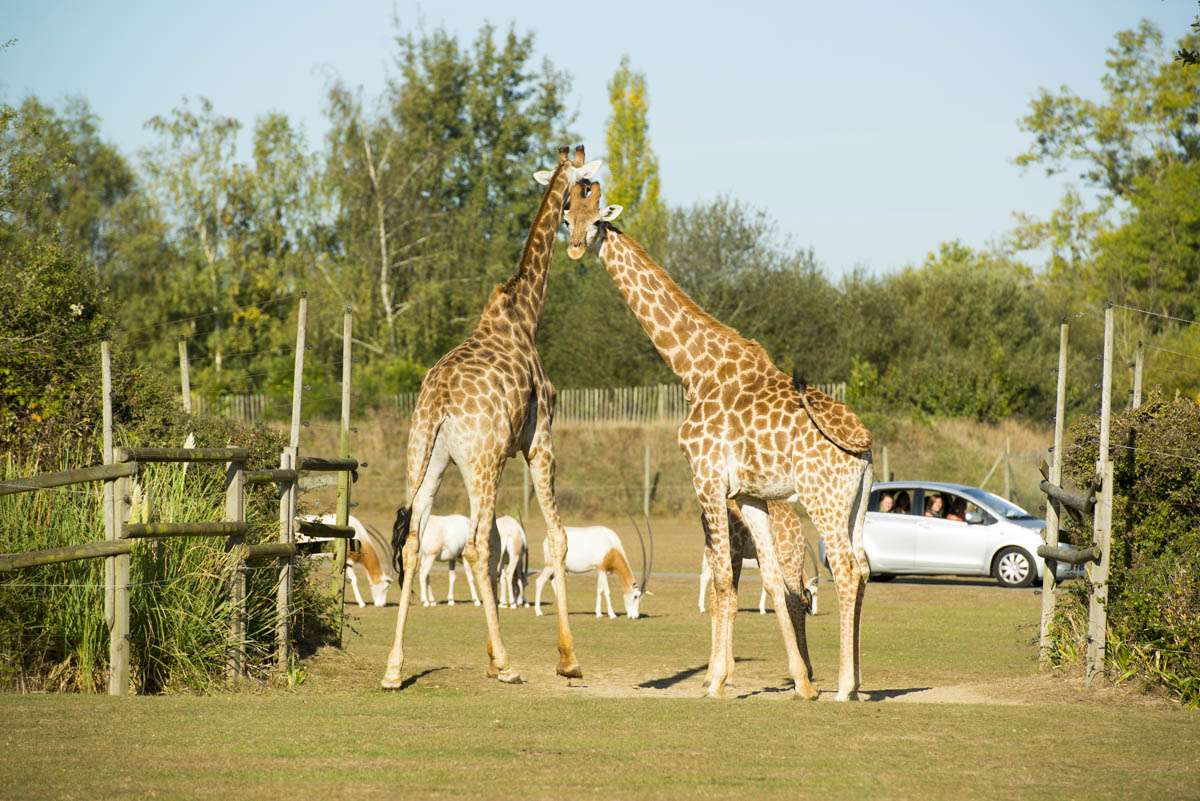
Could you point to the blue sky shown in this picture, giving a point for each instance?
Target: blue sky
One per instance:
(869, 131)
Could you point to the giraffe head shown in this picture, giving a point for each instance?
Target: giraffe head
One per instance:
(585, 217)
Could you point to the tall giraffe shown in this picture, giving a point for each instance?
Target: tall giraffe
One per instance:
(751, 434)
(479, 405)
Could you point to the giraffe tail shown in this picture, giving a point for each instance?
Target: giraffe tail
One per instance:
(400, 532)
(421, 438)
(858, 514)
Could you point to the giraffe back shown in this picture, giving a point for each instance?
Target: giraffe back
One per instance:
(835, 420)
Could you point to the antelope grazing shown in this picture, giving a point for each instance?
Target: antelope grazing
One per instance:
(369, 549)
(514, 562)
(443, 540)
(599, 548)
(744, 555)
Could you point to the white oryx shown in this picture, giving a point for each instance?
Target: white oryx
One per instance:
(443, 540)
(369, 548)
(514, 562)
(599, 548)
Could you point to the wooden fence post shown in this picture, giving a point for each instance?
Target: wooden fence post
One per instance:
(1007, 469)
(287, 501)
(343, 490)
(887, 468)
(1049, 582)
(116, 568)
(1139, 357)
(298, 373)
(185, 381)
(118, 636)
(109, 512)
(235, 512)
(283, 590)
(1102, 519)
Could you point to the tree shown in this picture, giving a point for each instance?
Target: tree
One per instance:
(433, 187)
(1149, 120)
(632, 166)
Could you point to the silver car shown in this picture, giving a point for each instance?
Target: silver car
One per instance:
(931, 528)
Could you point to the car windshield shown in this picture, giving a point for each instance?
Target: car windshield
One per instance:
(1009, 510)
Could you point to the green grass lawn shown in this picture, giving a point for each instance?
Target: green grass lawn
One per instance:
(957, 711)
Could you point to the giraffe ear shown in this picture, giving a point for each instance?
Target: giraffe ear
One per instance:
(587, 171)
(611, 213)
(543, 177)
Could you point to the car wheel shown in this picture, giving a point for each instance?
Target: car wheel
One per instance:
(882, 577)
(1014, 567)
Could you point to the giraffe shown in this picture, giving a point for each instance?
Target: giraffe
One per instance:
(479, 405)
(751, 434)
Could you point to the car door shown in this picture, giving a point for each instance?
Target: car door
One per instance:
(890, 537)
(950, 546)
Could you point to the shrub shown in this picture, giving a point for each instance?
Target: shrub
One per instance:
(1154, 577)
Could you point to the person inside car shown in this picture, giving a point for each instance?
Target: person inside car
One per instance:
(934, 506)
(903, 504)
(886, 502)
(958, 510)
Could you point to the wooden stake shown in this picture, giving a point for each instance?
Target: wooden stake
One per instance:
(887, 470)
(235, 512)
(118, 634)
(1007, 469)
(1102, 519)
(185, 383)
(298, 371)
(283, 590)
(343, 492)
(1049, 582)
(1139, 357)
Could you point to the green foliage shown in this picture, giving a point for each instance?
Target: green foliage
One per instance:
(632, 165)
(52, 630)
(1154, 576)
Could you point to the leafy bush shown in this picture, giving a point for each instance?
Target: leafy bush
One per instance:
(1154, 578)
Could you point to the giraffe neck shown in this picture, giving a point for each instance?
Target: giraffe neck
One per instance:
(689, 339)
(522, 297)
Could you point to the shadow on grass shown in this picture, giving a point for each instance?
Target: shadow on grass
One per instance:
(413, 679)
(864, 695)
(683, 675)
(941, 581)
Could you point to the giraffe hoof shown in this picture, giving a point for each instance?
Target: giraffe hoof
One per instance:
(850, 695)
(715, 691)
(571, 671)
(809, 693)
(510, 676)
(391, 682)
(450, 602)
(477, 603)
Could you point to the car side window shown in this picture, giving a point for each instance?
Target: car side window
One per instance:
(959, 509)
(895, 502)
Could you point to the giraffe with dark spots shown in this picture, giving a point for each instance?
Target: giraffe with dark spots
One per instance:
(481, 404)
(737, 401)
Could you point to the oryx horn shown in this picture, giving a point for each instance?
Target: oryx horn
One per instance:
(647, 564)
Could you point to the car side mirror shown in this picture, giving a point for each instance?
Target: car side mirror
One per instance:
(974, 518)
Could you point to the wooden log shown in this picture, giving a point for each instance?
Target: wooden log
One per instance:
(100, 472)
(1084, 504)
(274, 476)
(150, 530)
(182, 454)
(314, 529)
(68, 553)
(320, 464)
(1068, 554)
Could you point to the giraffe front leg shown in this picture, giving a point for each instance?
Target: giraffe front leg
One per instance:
(754, 512)
(541, 467)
